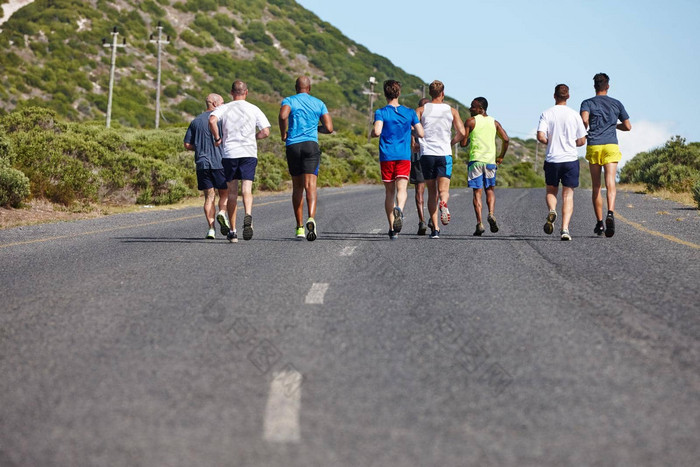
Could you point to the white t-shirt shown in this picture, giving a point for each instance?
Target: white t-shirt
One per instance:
(437, 124)
(562, 126)
(240, 121)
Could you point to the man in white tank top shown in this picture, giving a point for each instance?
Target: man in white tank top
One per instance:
(438, 119)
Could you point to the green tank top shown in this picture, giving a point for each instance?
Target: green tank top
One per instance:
(482, 140)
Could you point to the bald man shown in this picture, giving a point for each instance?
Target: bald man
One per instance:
(207, 159)
(298, 120)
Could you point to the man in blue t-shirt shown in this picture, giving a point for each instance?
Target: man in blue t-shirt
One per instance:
(600, 115)
(393, 124)
(298, 121)
(207, 159)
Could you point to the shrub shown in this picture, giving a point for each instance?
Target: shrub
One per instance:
(14, 186)
(696, 193)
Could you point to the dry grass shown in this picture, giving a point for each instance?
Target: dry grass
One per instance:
(682, 198)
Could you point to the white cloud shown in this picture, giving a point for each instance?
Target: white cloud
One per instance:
(645, 135)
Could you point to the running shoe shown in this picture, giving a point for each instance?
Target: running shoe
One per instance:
(311, 227)
(393, 234)
(444, 213)
(549, 225)
(434, 233)
(300, 233)
(492, 223)
(247, 227)
(398, 219)
(479, 230)
(610, 225)
(222, 219)
(422, 228)
(232, 237)
(211, 234)
(599, 228)
(565, 236)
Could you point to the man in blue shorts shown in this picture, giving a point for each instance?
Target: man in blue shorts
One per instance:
(242, 124)
(480, 133)
(298, 121)
(438, 120)
(561, 129)
(416, 177)
(600, 116)
(207, 159)
(393, 124)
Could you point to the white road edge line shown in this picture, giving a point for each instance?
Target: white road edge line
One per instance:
(348, 250)
(316, 293)
(281, 423)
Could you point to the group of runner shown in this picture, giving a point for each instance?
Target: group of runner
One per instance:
(413, 144)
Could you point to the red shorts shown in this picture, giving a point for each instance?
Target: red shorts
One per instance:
(391, 170)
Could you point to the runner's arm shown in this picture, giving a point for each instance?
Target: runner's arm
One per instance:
(326, 124)
(377, 128)
(214, 128)
(468, 127)
(504, 138)
(189, 147)
(542, 138)
(418, 131)
(283, 121)
(262, 134)
(624, 126)
(458, 126)
(585, 117)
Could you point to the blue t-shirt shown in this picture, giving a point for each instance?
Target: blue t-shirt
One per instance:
(395, 140)
(206, 155)
(303, 119)
(604, 112)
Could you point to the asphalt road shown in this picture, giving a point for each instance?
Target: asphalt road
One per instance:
(131, 341)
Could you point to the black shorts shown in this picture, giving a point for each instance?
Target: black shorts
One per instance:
(211, 178)
(416, 170)
(303, 158)
(567, 172)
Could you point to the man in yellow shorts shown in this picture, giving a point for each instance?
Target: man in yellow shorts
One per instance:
(600, 116)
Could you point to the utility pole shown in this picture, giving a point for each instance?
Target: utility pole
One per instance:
(372, 82)
(159, 41)
(537, 148)
(114, 47)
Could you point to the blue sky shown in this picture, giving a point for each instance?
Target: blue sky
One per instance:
(514, 53)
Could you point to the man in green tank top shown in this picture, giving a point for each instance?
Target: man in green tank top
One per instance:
(481, 131)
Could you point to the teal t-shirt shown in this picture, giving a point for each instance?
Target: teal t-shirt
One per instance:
(304, 117)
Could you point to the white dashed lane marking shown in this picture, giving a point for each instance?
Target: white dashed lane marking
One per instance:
(316, 293)
(375, 231)
(281, 423)
(348, 250)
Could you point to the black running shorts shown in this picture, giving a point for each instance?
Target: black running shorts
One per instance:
(303, 158)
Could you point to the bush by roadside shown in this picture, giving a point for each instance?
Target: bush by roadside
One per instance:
(674, 167)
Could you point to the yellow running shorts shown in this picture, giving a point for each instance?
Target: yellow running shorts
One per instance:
(602, 154)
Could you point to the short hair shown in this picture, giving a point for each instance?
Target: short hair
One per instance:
(214, 99)
(392, 89)
(482, 102)
(436, 88)
(601, 81)
(238, 88)
(423, 101)
(561, 92)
